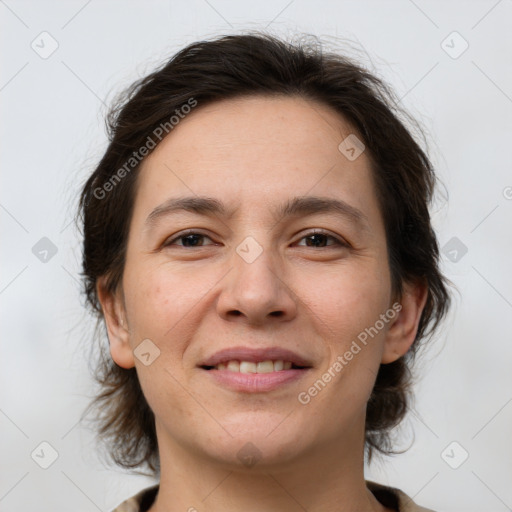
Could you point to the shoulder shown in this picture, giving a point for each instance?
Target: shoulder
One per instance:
(140, 502)
(394, 498)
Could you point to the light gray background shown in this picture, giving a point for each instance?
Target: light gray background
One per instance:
(52, 135)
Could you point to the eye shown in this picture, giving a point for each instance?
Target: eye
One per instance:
(190, 237)
(317, 237)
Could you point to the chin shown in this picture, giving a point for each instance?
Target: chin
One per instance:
(258, 439)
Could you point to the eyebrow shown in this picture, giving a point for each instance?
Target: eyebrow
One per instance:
(298, 206)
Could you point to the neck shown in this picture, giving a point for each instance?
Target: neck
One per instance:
(326, 479)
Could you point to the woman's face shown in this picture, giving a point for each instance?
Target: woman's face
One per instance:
(268, 272)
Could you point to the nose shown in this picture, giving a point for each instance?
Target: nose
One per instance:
(256, 291)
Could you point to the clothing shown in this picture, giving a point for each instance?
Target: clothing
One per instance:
(390, 497)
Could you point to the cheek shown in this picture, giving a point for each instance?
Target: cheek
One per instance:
(158, 295)
(348, 299)
(159, 302)
(347, 305)
(156, 300)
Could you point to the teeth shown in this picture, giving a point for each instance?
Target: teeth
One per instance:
(250, 367)
(246, 367)
(233, 366)
(265, 367)
(278, 366)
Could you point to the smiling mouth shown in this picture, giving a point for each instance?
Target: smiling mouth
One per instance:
(268, 366)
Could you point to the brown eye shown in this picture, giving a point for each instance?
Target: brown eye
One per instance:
(190, 239)
(318, 238)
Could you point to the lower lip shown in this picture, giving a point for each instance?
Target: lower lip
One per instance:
(255, 382)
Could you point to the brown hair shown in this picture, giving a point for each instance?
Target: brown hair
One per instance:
(240, 65)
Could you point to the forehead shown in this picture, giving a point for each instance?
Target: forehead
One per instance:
(253, 150)
(276, 122)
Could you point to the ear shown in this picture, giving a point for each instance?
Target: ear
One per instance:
(402, 331)
(117, 327)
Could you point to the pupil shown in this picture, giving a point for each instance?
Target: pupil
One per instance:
(188, 237)
(313, 236)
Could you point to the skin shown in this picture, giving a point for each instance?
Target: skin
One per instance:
(255, 153)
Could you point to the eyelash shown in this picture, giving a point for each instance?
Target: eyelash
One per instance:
(186, 234)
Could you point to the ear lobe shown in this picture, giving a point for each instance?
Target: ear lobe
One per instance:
(117, 327)
(403, 330)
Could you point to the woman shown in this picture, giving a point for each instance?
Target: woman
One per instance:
(258, 244)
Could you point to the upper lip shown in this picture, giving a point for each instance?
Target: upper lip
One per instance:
(255, 355)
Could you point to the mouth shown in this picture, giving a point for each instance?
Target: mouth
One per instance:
(268, 366)
(254, 371)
